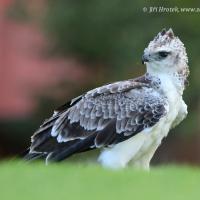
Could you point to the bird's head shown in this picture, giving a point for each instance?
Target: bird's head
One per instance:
(166, 54)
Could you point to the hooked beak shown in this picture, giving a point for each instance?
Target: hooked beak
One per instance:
(145, 58)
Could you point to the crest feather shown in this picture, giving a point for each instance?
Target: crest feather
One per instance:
(170, 33)
(163, 31)
(167, 40)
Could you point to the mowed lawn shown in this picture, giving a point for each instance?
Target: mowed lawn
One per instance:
(74, 181)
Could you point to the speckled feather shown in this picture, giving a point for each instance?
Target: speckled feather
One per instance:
(113, 113)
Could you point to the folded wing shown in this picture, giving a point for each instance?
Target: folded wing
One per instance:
(102, 117)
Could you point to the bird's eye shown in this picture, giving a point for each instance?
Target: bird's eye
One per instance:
(163, 54)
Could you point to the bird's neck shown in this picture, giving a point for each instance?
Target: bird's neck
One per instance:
(178, 77)
(167, 81)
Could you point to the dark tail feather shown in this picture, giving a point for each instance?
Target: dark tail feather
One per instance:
(24, 153)
(34, 156)
(79, 146)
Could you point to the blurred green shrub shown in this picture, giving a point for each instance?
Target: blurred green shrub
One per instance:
(97, 31)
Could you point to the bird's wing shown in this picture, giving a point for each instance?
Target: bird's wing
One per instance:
(104, 116)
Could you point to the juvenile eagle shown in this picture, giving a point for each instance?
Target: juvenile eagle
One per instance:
(126, 119)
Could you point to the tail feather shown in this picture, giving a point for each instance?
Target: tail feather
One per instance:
(34, 156)
(79, 146)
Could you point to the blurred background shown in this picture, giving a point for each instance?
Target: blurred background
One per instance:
(52, 51)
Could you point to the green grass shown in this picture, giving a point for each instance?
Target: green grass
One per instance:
(20, 181)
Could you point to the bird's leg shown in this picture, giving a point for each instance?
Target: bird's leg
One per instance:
(142, 161)
(119, 155)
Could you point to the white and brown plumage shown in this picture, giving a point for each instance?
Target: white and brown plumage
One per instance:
(127, 119)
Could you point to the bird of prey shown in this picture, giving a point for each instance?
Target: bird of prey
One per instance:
(128, 119)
